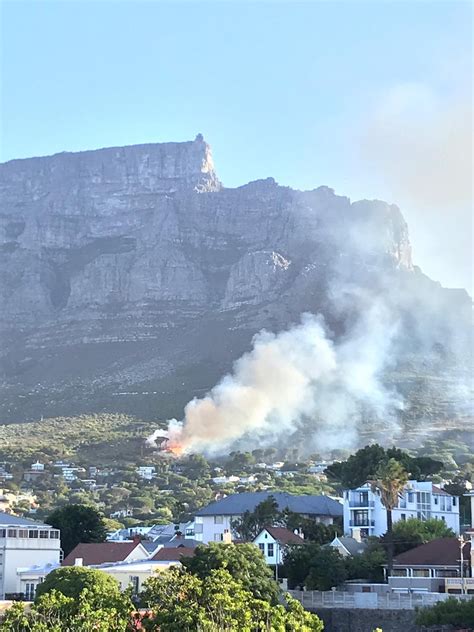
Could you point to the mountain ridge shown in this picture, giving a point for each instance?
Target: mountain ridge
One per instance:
(121, 267)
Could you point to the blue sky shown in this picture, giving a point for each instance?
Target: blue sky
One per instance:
(310, 93)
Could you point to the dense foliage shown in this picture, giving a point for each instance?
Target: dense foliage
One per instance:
(183, 602)
(449, 612)
(363, 465)
(407, 534)
(243, 561)
(313, 567)
(77, 523)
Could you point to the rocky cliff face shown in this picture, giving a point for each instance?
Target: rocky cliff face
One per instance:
(130, 278)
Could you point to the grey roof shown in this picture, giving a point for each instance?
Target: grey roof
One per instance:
(352, 546)
(8, 519)
(237, 504)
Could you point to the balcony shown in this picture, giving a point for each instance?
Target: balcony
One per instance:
(361, 503)
(362, 523)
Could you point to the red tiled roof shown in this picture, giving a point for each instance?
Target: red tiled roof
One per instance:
(173, 554)
(284, 536)
(100, 552)
(440, 552)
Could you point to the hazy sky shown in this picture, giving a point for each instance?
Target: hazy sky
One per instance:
(371, 98)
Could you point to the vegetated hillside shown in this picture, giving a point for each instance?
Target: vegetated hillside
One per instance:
(131, 279)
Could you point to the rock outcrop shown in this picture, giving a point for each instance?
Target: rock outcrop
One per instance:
(130, 277)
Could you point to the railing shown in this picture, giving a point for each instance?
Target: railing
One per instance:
(387, 601)
(361, 523)
(361, 503)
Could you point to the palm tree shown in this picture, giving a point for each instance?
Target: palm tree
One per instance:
(389, 483)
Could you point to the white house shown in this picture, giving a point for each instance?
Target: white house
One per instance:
(23, 543)
(215, 520)
(364, 512)
(146, 472)
(272, 542)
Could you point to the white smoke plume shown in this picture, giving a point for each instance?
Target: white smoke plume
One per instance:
(291, 377)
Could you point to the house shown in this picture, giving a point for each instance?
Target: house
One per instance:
(146, 472)
(430, 566)
(135, 573)
(364, 512)
(347, 546)
(211, 522)
(24, 542)
(94, 553)
(272, 542)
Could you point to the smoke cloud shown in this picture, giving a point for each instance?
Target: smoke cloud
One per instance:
(418, 142)
(290, 378)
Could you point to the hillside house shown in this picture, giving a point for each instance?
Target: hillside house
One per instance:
(273, 541)
(364, 512)
(211, 522)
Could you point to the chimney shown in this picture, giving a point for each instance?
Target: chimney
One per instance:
(356, 535)
(227, 537)
(78, 561)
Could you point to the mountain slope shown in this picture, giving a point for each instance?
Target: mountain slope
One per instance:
(131, 279)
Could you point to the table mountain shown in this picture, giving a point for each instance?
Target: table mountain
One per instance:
(131, 279)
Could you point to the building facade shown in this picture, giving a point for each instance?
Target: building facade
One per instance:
(23, 543)
(364, 513)
(214, 522)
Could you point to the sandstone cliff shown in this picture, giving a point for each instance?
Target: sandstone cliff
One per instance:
(130, 278)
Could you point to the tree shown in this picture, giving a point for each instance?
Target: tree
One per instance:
(362, 466)
(369, 564)
(77, 523)
(243, 561)
(183, 602)
(412, 532)
(312, 531)
(313, 566)
(73, 598)
(389, 482)
(449, 612)
(251, 523)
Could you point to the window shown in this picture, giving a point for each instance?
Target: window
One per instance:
(454, 501)
(218, 519)
(361, 518)
(262, 547)
(435, 498)
(33, 533)
(54, 534)
(135, 583)
(22, 533)
(421, 572)
(403, 516)
(3, 533)
(410, 497)
(44, 534)
(399, 572)
(30, 590)
(218, 537)
(11, 533)
(270, 550)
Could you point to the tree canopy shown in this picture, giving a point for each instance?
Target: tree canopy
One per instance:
(184, 602)
(313, 566)
(244, 562)
(77, 523)
(407, 534)
(76, 599)
(449, 612)
(363, 465)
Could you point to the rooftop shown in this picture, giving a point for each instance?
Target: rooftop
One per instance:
(100, 552)
(237, 504)
(173, 554)
(284, 536)
(439, 552)
(7, 519)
